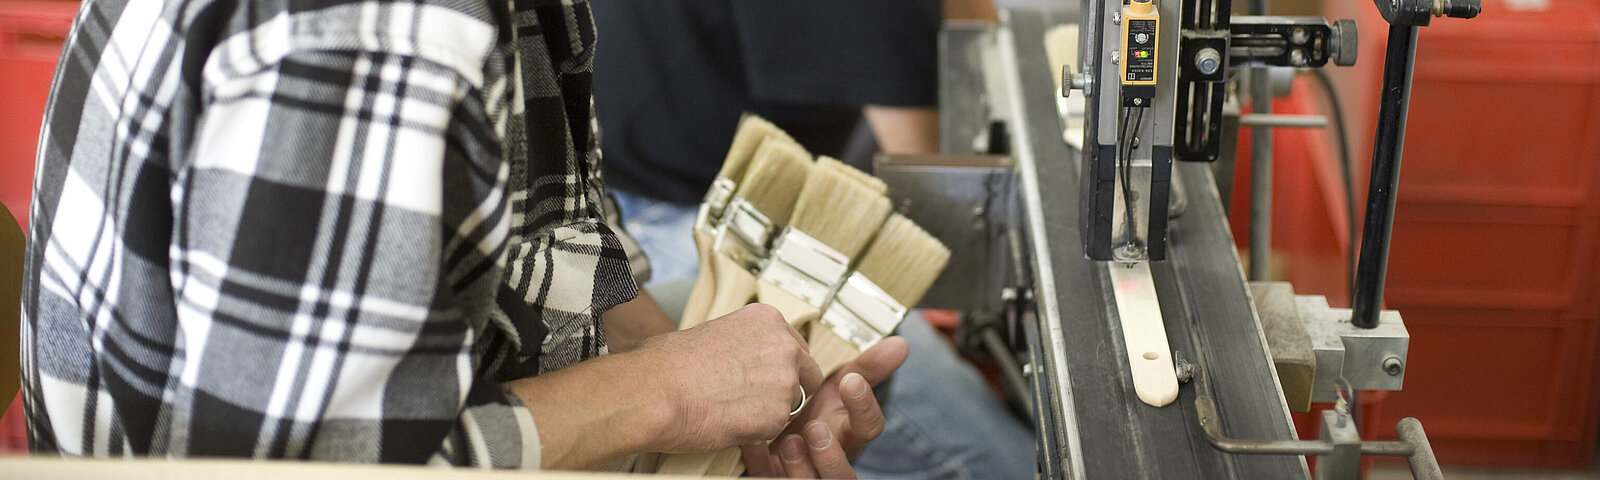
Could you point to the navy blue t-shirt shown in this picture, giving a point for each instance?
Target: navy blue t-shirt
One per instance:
(673, 76)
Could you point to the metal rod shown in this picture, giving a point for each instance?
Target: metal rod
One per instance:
(1260, 180)
(1205, 410)
(1011, 370)
(1424, 466)
(1282, 120)
(1387, 145)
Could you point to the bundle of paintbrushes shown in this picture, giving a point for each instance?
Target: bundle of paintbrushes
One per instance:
(818, 241)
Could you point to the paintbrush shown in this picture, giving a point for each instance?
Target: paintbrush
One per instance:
(752, 132)
(893, 274)
(762, 205)
(838, 211)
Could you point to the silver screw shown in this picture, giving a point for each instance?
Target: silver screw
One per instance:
(1392, 366)
(1208, 61)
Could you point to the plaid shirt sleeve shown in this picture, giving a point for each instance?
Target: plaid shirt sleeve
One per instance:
(290, 248)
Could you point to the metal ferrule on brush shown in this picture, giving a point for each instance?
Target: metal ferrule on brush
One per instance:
(742, 234)
(805, 267)
(715, 203)
(703, 220)
(863, 313)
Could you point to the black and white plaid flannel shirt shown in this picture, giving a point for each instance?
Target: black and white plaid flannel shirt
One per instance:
(314, 229)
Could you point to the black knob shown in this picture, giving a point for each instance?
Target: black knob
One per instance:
(1462, 8)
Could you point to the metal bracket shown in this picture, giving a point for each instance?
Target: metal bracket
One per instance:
(1291, 41)
(1413, 442)
(1370, 359)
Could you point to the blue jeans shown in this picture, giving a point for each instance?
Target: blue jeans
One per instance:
(940, 419)
(664, 231)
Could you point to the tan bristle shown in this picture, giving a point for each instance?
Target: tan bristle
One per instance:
(777, 171)
(753, 130)
(865, 178)
(904, 260)
(838, 210)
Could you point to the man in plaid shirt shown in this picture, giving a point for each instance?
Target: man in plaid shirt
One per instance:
(371, 231)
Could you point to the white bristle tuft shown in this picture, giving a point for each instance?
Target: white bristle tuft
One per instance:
(904, 260)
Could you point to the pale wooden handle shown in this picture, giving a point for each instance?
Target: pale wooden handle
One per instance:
(729, 463)
(694, 464)
(694, 311)
(1144, 334)
(796, 311)
(735, 287)
(647, 462)
(830, 351)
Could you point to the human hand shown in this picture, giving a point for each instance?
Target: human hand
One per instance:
(835, 425)
(731, 381)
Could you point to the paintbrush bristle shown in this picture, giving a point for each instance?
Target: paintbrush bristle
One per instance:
(839, 210)
(904, 260)
(875, 183)
(753, 130)
(777, 171)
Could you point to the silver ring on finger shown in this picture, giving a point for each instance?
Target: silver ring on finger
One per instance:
(802, 404)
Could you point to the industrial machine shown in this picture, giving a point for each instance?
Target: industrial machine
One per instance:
(1087, 152)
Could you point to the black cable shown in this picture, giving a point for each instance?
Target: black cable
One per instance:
(1344, 170)
(1125, 161)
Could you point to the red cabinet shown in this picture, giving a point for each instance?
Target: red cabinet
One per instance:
(31, 33)
(1496, 249)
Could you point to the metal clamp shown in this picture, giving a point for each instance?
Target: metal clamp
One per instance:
(805, 267)
(863, 313)
(743, 233)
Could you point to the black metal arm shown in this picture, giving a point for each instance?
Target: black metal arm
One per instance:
(1404, 17)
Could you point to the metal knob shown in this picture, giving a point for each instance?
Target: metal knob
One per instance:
(1208, 61)
(1346, 42)
(1070, 82)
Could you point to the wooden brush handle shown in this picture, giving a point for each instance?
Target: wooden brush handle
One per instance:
(735, 286)
(692, 464)
(795, 310)
(705, 285)
(729, 463)
(830, 351)
(647, 462)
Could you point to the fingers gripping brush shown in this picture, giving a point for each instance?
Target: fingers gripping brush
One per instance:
(752, 132)
(837, 213)
(762, 204)
(893, 274)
